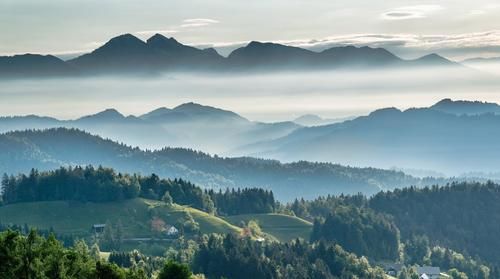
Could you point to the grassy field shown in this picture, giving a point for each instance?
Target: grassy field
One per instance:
(282, 227)
(76, 218)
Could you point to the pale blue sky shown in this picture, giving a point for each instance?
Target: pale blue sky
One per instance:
(457, 29)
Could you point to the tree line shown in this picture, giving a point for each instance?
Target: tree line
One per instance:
(90, 184)
(232, 257)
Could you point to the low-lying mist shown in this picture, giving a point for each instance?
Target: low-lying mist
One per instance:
(262, 97)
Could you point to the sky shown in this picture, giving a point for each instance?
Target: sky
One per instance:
(457, 29)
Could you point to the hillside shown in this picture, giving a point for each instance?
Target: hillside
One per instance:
(77, 218)
(283, 227)
(450, 137)
(461, 216)
(49, 149)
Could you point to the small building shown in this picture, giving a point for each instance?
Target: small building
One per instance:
(428, 272)
(393, 269)
(171, 230)
(98, 228)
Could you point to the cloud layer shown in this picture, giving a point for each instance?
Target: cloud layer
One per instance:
(411, 12)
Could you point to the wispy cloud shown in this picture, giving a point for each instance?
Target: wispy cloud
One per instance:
(198, 22)
(411, 12)
(152, 32)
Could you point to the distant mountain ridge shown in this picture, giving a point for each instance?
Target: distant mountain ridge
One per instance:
(189, 125)
(129, 54)
(452, 137)
(48, 149)
(466, 107)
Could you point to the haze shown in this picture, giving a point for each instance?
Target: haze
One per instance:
(266, 97)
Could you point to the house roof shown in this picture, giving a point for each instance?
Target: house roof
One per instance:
(393, 266)
(99, 225)
(429, 270)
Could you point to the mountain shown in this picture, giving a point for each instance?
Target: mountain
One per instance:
(270, 55)
(432, 59)
(127, 54)
(188, 125)
(479, 60)
(351, 56)
(34, 65)
(466, 107)
(275, 56)
(179, 56)
(108, 115)
(123, 53)
(48, 149)
(315, 120)
(425, 138)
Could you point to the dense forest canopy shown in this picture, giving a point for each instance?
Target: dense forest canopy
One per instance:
(360, 230)
(90, 184)
(462, 216)
(230, 257)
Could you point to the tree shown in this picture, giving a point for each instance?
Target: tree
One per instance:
(455, 274)
(109, 271)
(174, 270)
(167, 198)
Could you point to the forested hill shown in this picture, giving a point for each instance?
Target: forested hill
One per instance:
(462, 216)
(49, 149)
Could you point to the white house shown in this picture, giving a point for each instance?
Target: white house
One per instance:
(172, 231)
(428, 272)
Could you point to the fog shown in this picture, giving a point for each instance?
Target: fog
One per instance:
(260, 97)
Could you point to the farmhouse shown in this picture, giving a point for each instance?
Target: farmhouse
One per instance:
(393, 269)
(98, 228)
(428, 272)
(171, 230)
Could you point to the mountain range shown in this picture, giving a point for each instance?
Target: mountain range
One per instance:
(436, 138)
(452, 137)
(189, 125)
(128, 54)
(21, 151)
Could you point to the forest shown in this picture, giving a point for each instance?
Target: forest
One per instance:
(461, 216)
(32, 256)
(90, 184)
(351, 234)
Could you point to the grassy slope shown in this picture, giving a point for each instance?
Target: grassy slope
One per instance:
(283, 227)
(77, 218)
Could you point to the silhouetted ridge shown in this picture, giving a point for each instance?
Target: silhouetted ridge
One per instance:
(33, 65)
(129, 54)
(106, 115)
(434, 59)
(460, 107)
(161, 42)
(365, 56)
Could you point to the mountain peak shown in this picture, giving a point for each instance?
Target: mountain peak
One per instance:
(110, 112)
(122, 44)
(106, 115)
(160, 41)
(195, 109)
(155, 113)
(211, 50)
(434, 59)
(125, 39)
(460, 107)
